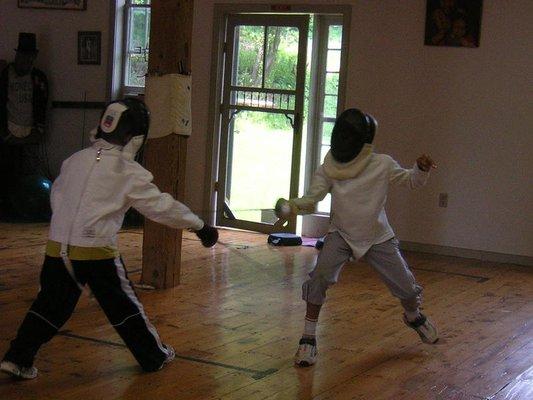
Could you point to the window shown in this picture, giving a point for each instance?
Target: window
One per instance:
(330, 87)
(136, 45)
(329, 50)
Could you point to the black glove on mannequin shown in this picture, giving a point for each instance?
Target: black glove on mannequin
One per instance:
(208, 235)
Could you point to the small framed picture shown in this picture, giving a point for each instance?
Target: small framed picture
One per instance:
(453, 23)
(89, 48)
(54, 4)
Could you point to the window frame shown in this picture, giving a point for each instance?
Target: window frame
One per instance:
(315, 128)
(126, 52)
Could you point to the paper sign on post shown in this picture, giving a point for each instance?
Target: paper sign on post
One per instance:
(168, 98)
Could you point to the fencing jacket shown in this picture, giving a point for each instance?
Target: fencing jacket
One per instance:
(359, 191)
(94, 190)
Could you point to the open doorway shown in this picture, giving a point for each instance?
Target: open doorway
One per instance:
(280, 84)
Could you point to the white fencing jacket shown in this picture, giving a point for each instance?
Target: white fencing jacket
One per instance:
(94, 190)
(359, 191)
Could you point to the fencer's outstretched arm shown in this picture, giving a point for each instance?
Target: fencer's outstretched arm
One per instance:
(411, 178)
(160, 207)
(320, 187)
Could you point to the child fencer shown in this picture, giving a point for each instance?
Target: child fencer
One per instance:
(358, 180)
(95, 188)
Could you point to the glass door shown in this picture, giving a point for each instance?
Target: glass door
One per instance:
(261, 119)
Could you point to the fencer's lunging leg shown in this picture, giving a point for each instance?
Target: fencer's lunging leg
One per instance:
(393, 270)
(330, 261)
(387, 260)
(329, 264)
(113, 290)
(54, 305)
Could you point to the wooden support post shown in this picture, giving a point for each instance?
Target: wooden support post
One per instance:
(170, 43)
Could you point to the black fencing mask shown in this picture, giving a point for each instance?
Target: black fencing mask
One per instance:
(352, 130)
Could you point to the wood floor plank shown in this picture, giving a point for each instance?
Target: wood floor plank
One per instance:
(237, 316)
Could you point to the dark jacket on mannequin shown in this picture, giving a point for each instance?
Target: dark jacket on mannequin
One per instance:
(40, 99)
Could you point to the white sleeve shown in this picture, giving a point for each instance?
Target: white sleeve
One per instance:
(320, 187)
(411, 178)
(159, 207)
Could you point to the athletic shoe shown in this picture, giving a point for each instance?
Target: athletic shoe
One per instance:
(18, 372)
(307, 352)
(424, 327)
(171, 355)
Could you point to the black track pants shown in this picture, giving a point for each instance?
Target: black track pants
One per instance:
(58, 297)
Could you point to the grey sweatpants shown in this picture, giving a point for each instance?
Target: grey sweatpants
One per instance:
(385, 258)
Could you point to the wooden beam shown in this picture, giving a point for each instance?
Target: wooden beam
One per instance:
(170, 43)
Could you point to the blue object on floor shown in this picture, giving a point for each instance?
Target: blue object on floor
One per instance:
(30, 198)
(284, 239)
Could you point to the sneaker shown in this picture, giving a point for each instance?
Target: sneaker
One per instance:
(424, 327)
(307, 352)
(171, 355)
(18, 372)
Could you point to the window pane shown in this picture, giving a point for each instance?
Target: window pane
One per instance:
(259, 164)
(330, 106)
(325, 205)
(248, 56)
(335, 37)
(281, 57)
(140, 2)
(327, 128)
(323, 151)
(334, 61)
(140, 28)
(136, 68)
(332, 83)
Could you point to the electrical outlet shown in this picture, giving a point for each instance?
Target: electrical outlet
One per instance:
(443, 200)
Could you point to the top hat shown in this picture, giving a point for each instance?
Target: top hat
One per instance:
(27, 43)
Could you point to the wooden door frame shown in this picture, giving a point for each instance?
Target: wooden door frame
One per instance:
(290, 20)
(221, 11)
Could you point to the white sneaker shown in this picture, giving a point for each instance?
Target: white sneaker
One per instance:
(18, 372)
(171, 355)
(424, 327)
(307, 352)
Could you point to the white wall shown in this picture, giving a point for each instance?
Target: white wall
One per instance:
(57, 35)
(469, 108)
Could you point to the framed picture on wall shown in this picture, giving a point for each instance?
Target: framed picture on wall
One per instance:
(455, 23)
(54, 4)
(89, 47)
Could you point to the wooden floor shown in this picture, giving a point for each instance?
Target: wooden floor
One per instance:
(236, 319)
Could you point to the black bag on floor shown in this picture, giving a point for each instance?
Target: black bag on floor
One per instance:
(284, 239)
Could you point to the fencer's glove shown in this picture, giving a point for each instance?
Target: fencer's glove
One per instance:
(283, 208)
(208, 235)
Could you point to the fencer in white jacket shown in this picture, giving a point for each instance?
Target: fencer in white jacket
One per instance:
(97, 186)
(94, 190)
(358, 180)
(359, 191)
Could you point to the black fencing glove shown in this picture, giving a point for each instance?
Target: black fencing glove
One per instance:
(208, 235)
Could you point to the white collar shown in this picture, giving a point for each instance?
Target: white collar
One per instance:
(349, 170)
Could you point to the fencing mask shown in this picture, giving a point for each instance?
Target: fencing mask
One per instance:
(125, 122)
(352, 130)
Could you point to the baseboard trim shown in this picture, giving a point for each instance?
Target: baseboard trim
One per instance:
(467, 253)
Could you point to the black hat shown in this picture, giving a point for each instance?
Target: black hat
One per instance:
(27, 43)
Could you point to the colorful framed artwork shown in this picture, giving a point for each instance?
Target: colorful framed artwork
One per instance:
(455, 23)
